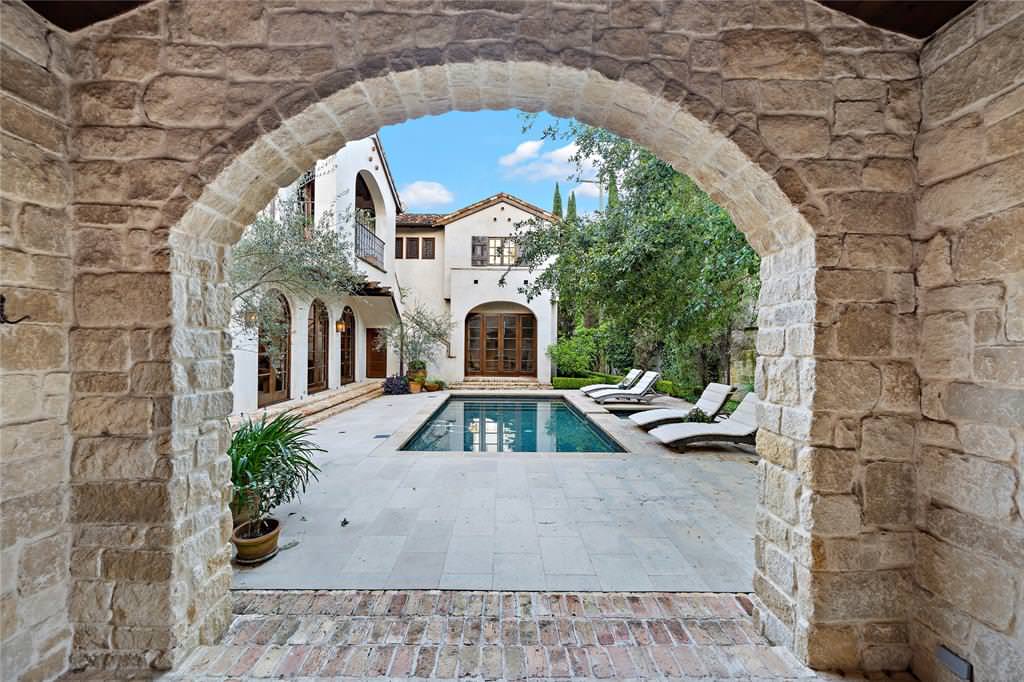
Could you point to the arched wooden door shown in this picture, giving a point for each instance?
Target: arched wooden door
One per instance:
(274, 359)
(318, 335)
(347, 340)
(501, 344)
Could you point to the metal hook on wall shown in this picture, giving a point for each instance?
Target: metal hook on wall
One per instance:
(3, 313)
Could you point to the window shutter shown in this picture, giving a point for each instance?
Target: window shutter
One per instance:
(479, 250)
(412, 247)
(398, 247)
(428, 248)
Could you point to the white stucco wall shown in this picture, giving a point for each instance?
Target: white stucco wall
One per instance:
(451, 283)
(335, 195)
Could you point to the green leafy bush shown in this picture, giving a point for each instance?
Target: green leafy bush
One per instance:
(576, 355)
(271, 464)
(698, 416)
(570, 383)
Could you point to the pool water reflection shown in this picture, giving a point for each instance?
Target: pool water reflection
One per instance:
(474, 424)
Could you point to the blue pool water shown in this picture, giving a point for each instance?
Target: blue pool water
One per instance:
(474, 424)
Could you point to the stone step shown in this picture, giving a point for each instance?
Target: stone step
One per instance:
(498, 386)
(322, 405)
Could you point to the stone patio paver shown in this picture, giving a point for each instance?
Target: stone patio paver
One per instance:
(643, 520)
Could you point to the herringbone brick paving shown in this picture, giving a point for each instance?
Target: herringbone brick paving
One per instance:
(490, 635)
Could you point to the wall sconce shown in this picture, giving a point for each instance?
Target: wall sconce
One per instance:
(251, 317)
(340, 326)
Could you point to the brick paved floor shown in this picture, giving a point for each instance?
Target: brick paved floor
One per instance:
(490, 635)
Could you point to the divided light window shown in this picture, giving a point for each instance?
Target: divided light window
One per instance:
(501, 251)
(428, 248)
(412, 247)
(399, 247)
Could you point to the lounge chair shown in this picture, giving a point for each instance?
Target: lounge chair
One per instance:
(627, 381)
(641, 392)
(711, 402)
(740, 427)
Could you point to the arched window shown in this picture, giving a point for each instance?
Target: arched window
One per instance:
(369, 245)
(347, 340)
(317, 345)
(274, 359)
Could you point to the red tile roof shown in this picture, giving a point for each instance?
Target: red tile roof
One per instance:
(419, 219)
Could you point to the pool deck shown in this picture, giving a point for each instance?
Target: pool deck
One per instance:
(645, 520)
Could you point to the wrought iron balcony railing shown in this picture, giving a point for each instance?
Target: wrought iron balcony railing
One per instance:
(369, 246)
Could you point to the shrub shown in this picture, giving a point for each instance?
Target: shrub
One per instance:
(576, 355)
(396, 385)
(271, 464)
(699, 416)
(417, 365)
(570, 383)
(434, 381)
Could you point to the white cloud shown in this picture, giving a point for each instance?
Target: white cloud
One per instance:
(523, 151)
(553, 165)
(587, 189)
(426, 194)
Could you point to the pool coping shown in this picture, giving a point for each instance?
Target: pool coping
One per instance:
(632, 440)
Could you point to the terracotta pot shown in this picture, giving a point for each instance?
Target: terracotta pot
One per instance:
(415, 387)
(417, 375)
(240, 512)
(255, 550)
(430, 388)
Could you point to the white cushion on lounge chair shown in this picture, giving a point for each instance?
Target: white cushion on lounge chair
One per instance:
(638, 391)
(742, 423)
(661, 414)
(626, 382)
(710, 403)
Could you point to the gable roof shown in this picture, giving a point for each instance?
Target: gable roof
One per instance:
(441, 220)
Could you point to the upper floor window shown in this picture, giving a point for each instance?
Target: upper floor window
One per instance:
(494, 251)
(412, 247)
(399, 247)
(428, 248)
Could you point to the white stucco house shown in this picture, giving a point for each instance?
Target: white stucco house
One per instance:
(450, 263)
(453, 263)
(333, 342)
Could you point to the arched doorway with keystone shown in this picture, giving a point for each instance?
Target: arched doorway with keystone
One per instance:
(889, 417)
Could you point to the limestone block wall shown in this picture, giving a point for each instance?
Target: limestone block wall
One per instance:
(36, 248)
(881, 301)
(969, 254)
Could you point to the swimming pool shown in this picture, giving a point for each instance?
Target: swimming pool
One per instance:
(485, 424)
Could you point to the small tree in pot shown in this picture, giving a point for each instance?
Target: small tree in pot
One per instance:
(271, 464)
(419, 337)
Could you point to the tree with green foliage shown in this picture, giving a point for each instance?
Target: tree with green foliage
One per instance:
(570, 210)
(291, 254)
(418, 336)
(613, 191)
(556, 202)
(662, 264)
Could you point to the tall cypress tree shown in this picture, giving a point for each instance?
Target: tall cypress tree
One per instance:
(570, 210)
(613, 191)
(556, 202)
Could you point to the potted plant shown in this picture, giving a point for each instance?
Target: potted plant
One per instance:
(434, 384)
(396, 385)
(271, 464)
(417, 370)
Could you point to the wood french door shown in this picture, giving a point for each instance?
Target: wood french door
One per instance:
(501, 344)
(318, 335)
(272, 367)
(376, 358)
(347, 340)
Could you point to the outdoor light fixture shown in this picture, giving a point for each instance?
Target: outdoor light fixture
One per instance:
(340, 326)
(250, 317)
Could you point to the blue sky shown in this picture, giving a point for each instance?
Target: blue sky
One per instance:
(442, 163)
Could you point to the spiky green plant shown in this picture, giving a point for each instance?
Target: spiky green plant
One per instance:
(271, 464)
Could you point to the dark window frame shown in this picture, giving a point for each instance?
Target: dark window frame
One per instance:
(412, 248)
(424, 250)
(399, 248)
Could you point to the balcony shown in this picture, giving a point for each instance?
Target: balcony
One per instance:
(369, 247)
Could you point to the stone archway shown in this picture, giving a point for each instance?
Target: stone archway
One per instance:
(186, 117)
